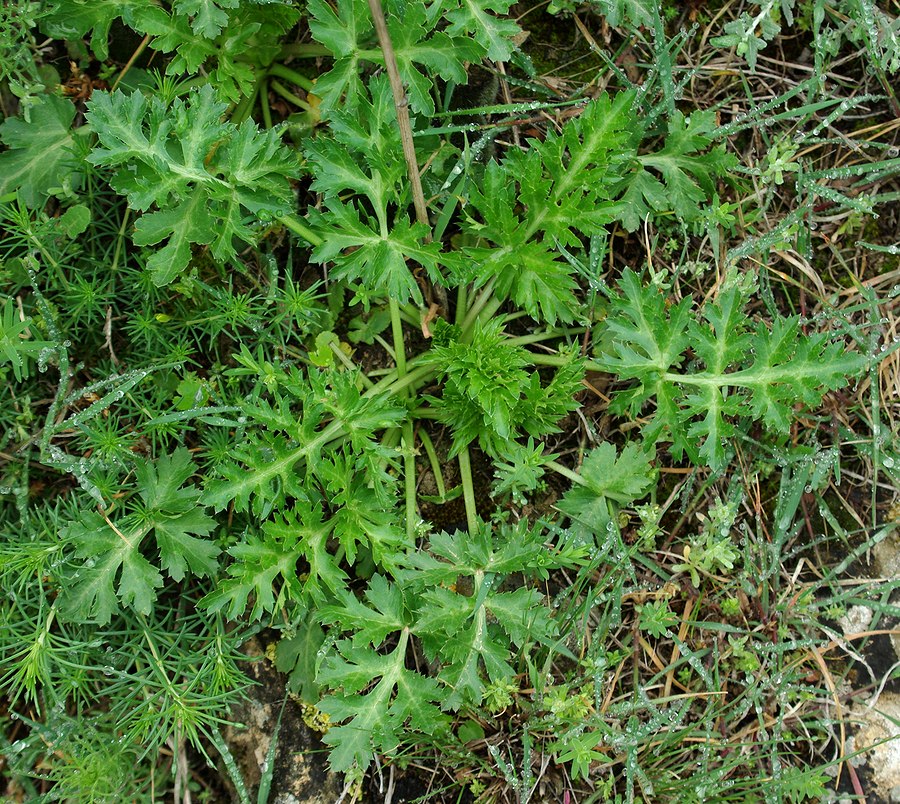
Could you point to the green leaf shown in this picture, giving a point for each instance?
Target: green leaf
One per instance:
(552, 194)
(240, 30)
(262, 470)
(742, 371)
(687, 172)
(485, 379)
(296, 656)
(621, 479)
(538, 282)
(468, 632)
(202, 174)
(396, 699)
(521, 471)
(75, 220)
(486, 21)
(656, 618)
(90, 593)
(175, 516)
(16, 345)
(209, 16)
(543, 406)
(365, 156)
(39, 161)
(637, 12)
(347, 32)
(417, 46)
(748, 35)
(400, 701)
(112, 548)
(377, 261)
(339, 28)
(262, 560)
(262, 473)
(72, 19)
(173, 33)
(370, 624)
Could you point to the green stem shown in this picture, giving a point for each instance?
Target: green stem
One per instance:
(476, 308)
(409, 479)
(409, 457)
(306, 50)
(397, 333)
(120, 239)
(410, 314)
(298, 79)
(264, 103)
(434, 462)
(538, 337)
(391, 384)
(298, 227)
(242, 110)
(465, 472)
(424, 412)
(551, 360)
(386, 346)
(280, 89)
(566, 472)
(348, 363)
(461, 297)
(490, 309)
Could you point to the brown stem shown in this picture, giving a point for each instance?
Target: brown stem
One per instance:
(402, 105)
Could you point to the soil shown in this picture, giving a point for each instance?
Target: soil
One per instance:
(301, 774)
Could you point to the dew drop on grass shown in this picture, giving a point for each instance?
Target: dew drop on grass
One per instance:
(888, 462)
(43, 357)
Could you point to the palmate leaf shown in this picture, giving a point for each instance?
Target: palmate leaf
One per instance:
(743, 370)
(559, 190)
(400, 699)
(423, 53)
(259, 477)
(272, 557)
(208, 16)
(486, 21)
(202, 174)
(39, 160)
(323, 408)
(621, 479)
(72, 19)
(472, 633)
(365, 157)
(484, 383)
(112, 548)
(678, 177)
(347, 32)
(364, 153)
(377, 261)
(215, 34)
(637, 12)
(488, 393)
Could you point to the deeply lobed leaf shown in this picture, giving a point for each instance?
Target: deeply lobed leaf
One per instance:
(202, 174)
(742, 371)
(112, 548)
